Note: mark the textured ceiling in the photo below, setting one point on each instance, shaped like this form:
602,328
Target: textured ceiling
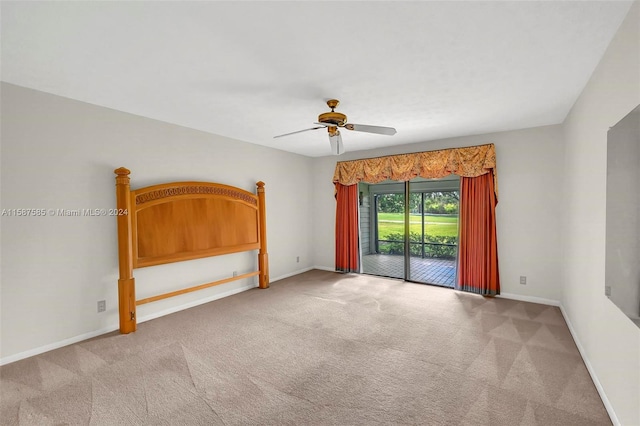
252,70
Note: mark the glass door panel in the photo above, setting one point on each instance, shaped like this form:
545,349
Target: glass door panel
434,237
387,258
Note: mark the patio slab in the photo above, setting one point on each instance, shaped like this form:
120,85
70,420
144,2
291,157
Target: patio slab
440,272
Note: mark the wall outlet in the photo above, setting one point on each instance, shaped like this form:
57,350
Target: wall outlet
102,305
235,273
523,280
297,259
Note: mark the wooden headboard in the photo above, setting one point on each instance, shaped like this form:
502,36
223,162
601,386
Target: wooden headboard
177,221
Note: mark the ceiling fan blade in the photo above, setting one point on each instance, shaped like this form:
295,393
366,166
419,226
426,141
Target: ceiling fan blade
371,129
299,131
335,141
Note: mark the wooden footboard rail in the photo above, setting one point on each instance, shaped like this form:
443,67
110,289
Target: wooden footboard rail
180,221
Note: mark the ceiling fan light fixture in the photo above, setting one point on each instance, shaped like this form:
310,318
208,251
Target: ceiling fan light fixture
335,140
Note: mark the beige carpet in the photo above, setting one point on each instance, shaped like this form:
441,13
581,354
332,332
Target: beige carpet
318,348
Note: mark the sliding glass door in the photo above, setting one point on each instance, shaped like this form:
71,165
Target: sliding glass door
409,230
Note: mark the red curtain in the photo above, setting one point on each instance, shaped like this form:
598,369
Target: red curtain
478,250
347,245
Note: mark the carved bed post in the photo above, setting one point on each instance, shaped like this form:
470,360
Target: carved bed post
263,257
126,283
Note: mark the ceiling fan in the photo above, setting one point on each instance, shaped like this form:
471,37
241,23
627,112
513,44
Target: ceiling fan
332,120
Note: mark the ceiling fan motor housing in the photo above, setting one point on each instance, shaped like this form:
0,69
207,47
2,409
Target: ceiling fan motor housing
333,118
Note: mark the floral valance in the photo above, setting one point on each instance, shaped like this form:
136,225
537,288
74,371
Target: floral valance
471,161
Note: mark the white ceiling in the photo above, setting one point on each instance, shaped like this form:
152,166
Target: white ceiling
252,70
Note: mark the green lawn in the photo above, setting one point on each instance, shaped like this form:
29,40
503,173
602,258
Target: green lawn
389,223
417,218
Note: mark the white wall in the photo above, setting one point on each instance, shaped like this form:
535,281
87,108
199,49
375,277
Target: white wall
60,154
528,212
611,342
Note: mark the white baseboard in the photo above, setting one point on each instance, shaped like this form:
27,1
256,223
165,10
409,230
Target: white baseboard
325,268
532,299
282,277
592,373
56,345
